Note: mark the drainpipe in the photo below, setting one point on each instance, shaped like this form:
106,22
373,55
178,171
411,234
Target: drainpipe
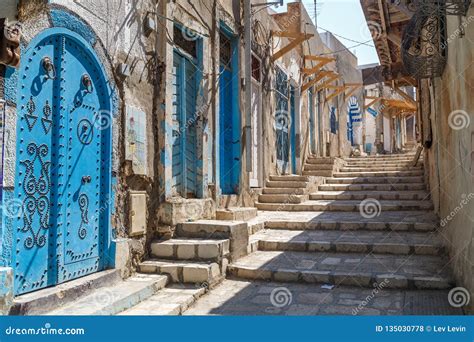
248,85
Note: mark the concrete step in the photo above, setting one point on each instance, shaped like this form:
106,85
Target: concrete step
375,180
405,156
285,184
284,191
415,271
411,221
318,167
378,195
184,271
114,299
379,174
191,249
236,213
339,205
53,298
289,178
318,160
292,198
174,300
236,231
372,187
327,173
379,168
382,242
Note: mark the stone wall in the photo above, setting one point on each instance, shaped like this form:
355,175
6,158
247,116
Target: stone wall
448,113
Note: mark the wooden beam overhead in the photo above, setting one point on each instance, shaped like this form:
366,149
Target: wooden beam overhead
354,89
318,78
405,96
327,82
371,103
298,38
319,58
336,93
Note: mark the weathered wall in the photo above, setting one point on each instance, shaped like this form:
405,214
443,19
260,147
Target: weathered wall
450,160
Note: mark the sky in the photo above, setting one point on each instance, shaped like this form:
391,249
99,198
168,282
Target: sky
344,18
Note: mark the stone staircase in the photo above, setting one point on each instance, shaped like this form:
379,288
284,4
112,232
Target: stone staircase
337,238
321,167
290,189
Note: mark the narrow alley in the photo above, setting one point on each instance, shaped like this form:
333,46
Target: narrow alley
231,157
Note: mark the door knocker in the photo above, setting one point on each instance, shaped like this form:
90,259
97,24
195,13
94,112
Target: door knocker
87,83
48,66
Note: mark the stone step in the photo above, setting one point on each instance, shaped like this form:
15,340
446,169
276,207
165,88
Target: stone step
236,231
340,205
274,198
405,156
415,271
284,191
318,167
323,173
190,249
375,180
318,160
378,195
381,164
289,178
173,300
382,242
380,161
379,174
53,298
380,168
114,299
236,213
372,187
412,221
284,184
184,271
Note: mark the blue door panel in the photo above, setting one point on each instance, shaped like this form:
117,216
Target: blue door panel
63,167
293,129
184,144
229,146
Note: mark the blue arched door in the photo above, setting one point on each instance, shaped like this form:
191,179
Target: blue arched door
63,162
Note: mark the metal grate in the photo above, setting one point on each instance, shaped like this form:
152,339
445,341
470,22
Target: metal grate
440,7
424,49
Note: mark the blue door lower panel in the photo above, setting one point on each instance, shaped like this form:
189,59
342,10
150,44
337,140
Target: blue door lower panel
63,164
184,144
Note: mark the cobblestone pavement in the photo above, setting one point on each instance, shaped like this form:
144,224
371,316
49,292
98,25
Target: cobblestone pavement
235,297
